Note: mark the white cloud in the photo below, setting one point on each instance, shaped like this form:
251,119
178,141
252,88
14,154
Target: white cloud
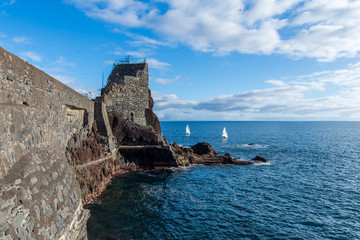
63,62
53,69
140,40
31,55
137,54
3,35
154,63
165,81
166,101
64,79
109,62
276,82
72,82
10,2
321,29
299,98
20,39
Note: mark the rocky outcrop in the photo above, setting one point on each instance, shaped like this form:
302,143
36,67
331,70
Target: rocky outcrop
204,149
85,146
260,159
129,133
151,118
89,153
204,153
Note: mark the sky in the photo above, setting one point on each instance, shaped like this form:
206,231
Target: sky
220,60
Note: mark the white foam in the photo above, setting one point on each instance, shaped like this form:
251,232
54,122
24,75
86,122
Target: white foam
257,146
94,201
262,163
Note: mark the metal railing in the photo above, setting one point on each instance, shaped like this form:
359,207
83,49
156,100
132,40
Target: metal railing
128,60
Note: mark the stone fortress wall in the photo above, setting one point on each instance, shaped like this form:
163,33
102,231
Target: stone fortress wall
127,91
39,195
57,149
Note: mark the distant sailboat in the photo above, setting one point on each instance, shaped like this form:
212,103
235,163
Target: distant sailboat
225,135
188,130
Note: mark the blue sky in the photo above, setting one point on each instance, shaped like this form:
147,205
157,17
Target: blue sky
209,59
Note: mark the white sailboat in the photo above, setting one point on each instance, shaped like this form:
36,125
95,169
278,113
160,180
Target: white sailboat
224,134
188,130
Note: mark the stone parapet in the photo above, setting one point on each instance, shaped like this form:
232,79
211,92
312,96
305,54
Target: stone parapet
40,197
36,110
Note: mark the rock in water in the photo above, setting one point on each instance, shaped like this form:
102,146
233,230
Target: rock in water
260,159
203,148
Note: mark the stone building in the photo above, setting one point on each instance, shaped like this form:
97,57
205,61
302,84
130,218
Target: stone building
127,91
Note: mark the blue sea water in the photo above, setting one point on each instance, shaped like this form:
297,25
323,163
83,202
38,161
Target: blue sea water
310,189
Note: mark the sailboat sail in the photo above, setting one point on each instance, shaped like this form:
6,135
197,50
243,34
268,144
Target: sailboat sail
188,130
224,134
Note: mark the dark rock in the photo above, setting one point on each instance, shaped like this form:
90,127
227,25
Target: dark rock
183,156
151,118
203,148
203,153
84,146
151,100
117,124
130,133
227,159
260,159
149,158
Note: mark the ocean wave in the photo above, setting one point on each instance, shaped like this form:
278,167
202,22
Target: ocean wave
184,146
95,201
262,163
253,145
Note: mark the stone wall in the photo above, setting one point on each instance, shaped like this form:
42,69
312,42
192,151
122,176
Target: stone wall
127,91
36,110
41,199
57,148
39,195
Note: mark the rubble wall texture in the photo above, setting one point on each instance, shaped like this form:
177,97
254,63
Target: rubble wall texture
127,91
40,197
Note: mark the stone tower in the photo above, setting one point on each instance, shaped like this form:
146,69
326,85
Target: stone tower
127,91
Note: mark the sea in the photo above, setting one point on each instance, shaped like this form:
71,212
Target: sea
309,190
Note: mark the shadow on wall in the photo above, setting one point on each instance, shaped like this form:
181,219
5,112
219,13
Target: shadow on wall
75,113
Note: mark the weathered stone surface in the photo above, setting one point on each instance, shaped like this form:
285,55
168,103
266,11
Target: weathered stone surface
85,146
31,104
33,180
129,133
127,91
37,211
18,219
30,220
151,118
22,233
47,210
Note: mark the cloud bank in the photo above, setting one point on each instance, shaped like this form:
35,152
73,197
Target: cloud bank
329,95
321,29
